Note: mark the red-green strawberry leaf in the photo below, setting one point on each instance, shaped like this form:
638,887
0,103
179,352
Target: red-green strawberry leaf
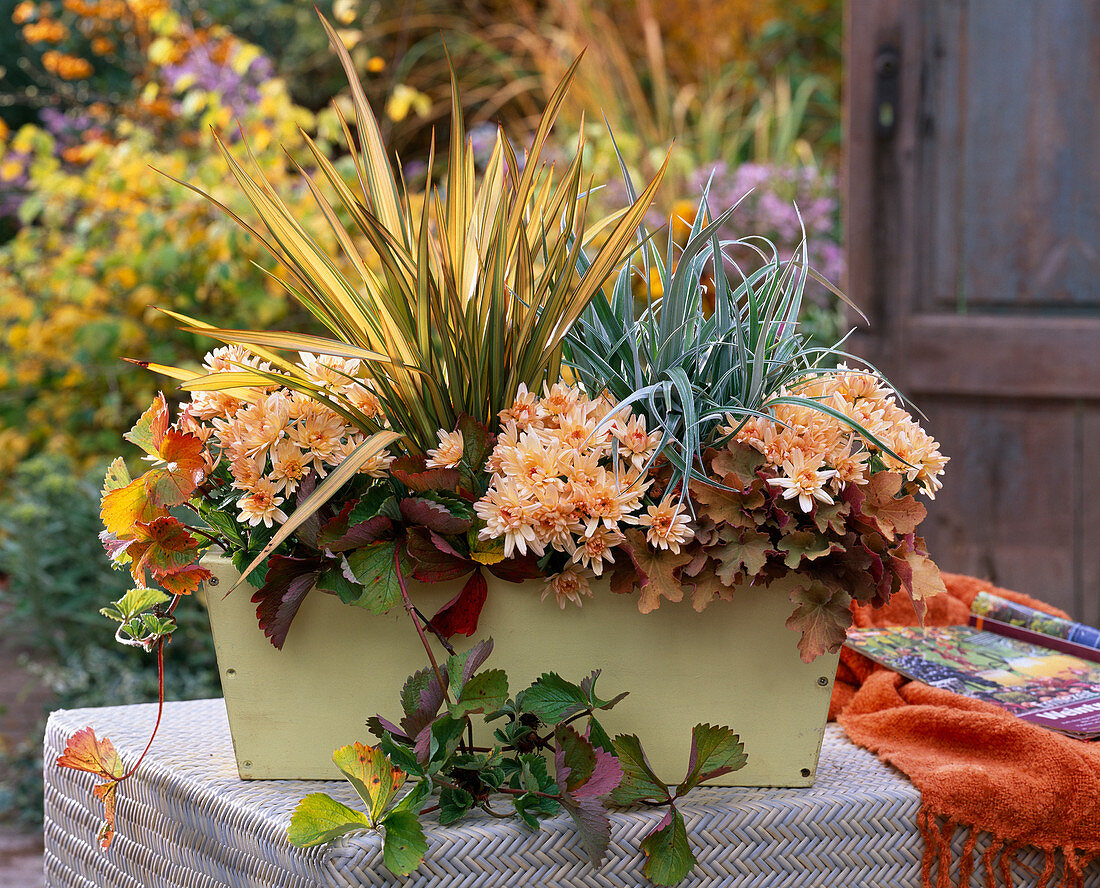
459,616
669,859
285,587
715,751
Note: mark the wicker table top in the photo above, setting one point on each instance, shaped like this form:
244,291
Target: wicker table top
187,821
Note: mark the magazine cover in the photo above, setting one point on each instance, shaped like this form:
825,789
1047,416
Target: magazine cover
1027,624
1042,686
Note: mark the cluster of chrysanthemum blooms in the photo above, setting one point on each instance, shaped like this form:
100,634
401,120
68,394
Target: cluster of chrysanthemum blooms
815,454
275,439
569,473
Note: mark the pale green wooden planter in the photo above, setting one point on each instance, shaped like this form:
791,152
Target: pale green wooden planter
736,664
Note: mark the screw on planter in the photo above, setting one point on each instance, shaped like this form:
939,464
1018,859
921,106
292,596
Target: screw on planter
805,771
823,681
213,581
247,765
230,673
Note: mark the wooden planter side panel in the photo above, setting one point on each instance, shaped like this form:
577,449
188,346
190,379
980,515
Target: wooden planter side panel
736,664
973,227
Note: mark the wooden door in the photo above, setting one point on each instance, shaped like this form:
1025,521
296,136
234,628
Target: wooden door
973,224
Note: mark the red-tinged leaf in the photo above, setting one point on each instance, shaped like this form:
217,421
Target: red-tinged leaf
918,573
459,616
624,579
877,502
148,432
344,533
745,550
706,587
737,466
112,545
83,752
286,585
432,515
715,751
803,545
124,507
657,572
436,561
183,581
721,506
586,775
669,858
163,545
412,471
108,794
184,469
822,616
518,569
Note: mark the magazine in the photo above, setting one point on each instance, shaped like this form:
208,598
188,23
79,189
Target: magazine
1034,681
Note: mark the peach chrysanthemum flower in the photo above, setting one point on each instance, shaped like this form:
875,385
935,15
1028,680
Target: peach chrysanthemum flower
595,547
533,463
449,452
328,370
261,424
559,398
668,526
555,519
525,409
508,514
246,471
363,399
804,480
288,466
635,445
320,432
569,585
261,504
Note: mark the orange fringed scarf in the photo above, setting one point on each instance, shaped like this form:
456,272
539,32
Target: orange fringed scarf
977,767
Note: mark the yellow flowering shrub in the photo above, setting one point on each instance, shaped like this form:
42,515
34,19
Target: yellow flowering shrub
106,238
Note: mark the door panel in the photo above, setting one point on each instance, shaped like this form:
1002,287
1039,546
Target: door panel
973,220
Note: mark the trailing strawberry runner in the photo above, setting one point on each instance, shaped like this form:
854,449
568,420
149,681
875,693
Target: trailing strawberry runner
494,398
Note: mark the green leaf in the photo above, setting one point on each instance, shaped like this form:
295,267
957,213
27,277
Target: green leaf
446,732
553,699
803,545
485,692
588,686
639,783
453,804
715,751
133,603
462,666
374,567
402,756
404,845
319,818
414,799
668,855
333,580
221,521
599,737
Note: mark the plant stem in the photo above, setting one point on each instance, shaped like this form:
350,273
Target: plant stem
507,790
411,611
447,646
160,706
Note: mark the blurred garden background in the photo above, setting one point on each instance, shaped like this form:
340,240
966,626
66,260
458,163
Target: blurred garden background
101,101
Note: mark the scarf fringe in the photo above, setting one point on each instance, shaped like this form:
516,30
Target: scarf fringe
997,860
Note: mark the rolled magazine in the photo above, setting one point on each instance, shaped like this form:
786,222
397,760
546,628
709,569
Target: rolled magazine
1043,669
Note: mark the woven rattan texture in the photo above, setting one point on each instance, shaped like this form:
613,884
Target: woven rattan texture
187,821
